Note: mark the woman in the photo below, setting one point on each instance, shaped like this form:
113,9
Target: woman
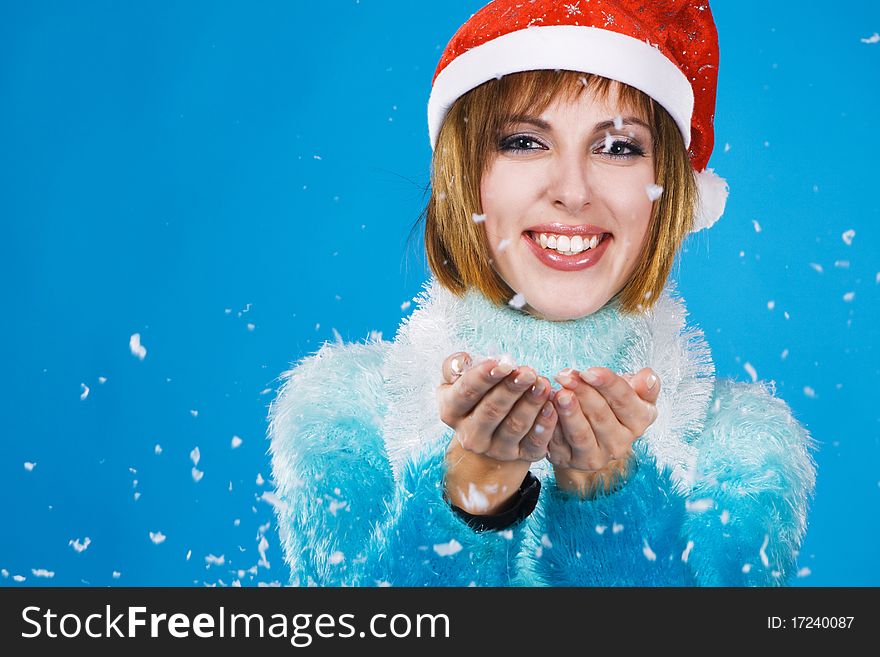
570,145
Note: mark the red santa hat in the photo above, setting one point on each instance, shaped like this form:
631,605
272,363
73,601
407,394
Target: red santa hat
667,49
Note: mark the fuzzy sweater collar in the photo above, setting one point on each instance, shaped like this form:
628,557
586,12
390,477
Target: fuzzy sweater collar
444,323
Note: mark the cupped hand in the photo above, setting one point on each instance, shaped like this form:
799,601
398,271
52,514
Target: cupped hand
503,421
601,415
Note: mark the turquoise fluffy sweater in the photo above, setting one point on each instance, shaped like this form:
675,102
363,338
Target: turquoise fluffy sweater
719,495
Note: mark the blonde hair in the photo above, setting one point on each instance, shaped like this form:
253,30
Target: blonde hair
457,248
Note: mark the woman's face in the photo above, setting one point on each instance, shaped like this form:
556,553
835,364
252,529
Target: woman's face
578,174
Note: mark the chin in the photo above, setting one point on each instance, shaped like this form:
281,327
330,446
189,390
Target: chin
561,312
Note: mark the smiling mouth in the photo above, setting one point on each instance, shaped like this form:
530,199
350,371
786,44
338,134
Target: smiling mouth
565,245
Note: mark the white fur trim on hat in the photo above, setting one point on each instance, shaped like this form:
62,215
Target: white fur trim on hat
570,47
712,192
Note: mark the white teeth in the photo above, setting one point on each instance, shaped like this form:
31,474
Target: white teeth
566,245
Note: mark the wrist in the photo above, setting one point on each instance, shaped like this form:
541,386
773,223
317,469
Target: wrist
588,485
481,485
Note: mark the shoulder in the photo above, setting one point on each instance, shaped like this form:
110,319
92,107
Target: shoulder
751,434
338,380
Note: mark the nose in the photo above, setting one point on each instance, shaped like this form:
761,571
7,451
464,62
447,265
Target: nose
570,183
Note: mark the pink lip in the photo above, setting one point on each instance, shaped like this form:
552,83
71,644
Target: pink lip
571,231
556,260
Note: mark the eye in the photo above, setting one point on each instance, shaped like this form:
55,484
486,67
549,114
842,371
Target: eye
619,149
520,143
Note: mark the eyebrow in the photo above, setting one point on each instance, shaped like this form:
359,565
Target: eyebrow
604,125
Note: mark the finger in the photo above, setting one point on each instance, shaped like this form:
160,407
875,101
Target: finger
460,398
646,383
558,451
455,365
629,409
579,434
534,445
493,412
526,408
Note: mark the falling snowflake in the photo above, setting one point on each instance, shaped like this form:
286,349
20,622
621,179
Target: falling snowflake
336,558
725,517
849,296
804,572
157,449
29,466
478,218
763,551
85,391
157,537
687,551
137,349
817,267
618,122
405,305
654,191
574,9
42,572
848,236
236,442
699,506
874,38
771,304
102,380
197,475
211,560
616,528
518,301
756,225
195,455
80,547
545,541
116,574
748,367
447,549
648,552
809,392
503,244
600,529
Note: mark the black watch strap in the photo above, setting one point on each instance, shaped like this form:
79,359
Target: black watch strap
525,502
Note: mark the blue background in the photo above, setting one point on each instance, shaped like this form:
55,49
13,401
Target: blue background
236,183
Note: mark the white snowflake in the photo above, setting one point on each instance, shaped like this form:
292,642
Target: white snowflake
447,549
236,442
748,367
478,218
137,349
874,38
518,301
574,9
848,236
158,537
654,191
80,547
85,391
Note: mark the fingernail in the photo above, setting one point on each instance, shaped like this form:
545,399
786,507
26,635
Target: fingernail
527,377
538,388
547,411
566,378
501,370
455,366
652,381
565,400
591,376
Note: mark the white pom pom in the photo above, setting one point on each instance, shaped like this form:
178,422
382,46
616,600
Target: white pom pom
712,196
